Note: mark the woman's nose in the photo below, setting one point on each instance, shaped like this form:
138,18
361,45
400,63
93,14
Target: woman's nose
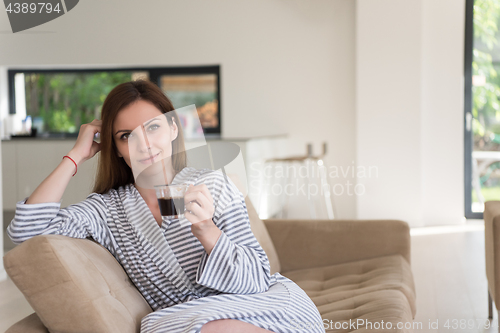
141,143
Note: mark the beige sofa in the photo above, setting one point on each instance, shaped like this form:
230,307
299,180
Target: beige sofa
492,250
357,273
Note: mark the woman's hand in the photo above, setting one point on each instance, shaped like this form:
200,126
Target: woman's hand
199,204
200,211
85,147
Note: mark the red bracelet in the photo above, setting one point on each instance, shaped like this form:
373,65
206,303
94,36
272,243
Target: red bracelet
76,167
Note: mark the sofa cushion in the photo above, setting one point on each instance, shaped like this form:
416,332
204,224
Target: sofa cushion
385,311
74,283
375,288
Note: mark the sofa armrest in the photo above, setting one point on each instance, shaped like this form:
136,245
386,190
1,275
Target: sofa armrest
492,247
75,285
303,244
30,324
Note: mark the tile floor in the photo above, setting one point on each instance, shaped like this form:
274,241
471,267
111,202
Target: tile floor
450,279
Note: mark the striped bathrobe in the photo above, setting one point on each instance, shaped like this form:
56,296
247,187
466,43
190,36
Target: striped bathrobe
184,286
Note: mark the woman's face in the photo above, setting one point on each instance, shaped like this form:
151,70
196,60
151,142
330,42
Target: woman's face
143,136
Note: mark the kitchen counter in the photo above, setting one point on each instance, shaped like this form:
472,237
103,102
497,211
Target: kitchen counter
26,162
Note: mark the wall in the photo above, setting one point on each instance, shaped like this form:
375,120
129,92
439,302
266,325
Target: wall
443,111
409,111
380,81
286,66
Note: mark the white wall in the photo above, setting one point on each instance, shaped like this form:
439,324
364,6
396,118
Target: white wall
443,111
286,66
409,109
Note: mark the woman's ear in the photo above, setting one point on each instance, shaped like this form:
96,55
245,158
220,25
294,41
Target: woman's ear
174,130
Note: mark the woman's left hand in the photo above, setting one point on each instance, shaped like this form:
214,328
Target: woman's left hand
200,211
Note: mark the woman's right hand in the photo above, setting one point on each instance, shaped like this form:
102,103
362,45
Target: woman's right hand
85,147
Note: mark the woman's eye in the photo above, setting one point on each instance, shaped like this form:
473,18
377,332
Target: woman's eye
126,136
153,127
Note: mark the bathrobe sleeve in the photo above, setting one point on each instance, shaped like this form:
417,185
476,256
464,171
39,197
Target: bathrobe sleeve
237,263
84,219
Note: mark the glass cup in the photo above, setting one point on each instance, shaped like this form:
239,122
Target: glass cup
171,199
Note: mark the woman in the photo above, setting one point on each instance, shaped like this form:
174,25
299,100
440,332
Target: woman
209,274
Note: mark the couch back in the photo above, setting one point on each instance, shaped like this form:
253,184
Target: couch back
259,229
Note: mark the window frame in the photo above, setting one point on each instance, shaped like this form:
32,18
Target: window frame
468,100
154,76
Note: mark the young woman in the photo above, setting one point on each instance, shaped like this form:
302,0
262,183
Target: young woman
207,275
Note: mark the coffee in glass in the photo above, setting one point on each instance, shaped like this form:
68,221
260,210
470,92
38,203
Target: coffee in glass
171,199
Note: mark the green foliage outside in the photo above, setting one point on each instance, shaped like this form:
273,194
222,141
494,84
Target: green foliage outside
489,194
67,100
486,97
486,106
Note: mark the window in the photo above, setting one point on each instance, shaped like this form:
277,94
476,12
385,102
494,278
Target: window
482,105
59,101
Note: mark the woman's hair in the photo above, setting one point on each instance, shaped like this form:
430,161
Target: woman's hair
113,171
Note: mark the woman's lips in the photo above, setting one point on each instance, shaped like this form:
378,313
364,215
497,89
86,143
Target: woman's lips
149,160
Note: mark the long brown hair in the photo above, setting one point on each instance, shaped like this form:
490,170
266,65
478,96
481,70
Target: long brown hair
113,171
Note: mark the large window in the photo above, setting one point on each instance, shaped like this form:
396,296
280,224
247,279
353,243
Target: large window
59,101
482,105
